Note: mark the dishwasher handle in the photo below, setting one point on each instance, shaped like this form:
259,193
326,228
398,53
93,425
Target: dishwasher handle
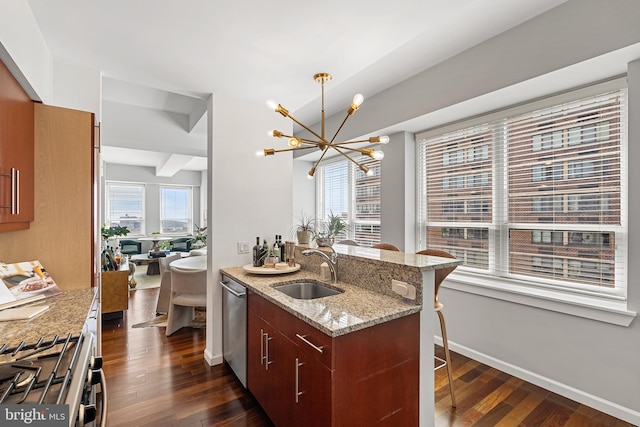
233,291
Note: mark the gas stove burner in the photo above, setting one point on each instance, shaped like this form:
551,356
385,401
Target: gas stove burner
9,370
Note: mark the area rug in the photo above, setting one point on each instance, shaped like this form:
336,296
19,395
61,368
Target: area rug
199,322
144,281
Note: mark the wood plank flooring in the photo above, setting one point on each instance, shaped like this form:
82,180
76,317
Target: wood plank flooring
155,380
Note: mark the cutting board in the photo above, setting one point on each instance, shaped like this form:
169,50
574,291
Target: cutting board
22,313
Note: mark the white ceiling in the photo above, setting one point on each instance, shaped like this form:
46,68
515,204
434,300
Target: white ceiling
168,56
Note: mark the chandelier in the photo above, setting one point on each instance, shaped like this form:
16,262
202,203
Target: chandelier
321,142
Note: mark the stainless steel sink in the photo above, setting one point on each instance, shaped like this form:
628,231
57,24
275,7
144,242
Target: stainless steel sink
307,290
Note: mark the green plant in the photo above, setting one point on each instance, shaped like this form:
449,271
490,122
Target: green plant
114,231
199,234
331,228
304,223
165,245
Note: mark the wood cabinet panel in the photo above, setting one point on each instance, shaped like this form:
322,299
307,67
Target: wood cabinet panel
63,231
16,154
367,377
115,291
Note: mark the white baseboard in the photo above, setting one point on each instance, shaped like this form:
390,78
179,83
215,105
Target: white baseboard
211,359
602,405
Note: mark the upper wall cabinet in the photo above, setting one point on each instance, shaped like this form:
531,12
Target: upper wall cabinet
16,154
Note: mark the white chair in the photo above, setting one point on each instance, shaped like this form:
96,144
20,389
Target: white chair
162,306
198,252
188,290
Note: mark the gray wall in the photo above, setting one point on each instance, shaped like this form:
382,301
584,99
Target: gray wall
579,42
146,175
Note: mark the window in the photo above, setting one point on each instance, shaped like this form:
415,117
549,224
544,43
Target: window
542,200
175,210
342,188
125,206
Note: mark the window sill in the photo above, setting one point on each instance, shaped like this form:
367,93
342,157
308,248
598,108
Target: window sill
600,309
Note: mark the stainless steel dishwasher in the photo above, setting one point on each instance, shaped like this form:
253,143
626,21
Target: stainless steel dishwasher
234,327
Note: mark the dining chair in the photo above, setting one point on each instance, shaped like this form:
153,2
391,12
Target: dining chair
162,306
188,290
182,244
386,246
440,275
130,247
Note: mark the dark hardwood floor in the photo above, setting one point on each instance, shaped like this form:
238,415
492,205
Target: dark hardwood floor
155,380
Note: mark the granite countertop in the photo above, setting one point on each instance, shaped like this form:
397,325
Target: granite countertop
67,314
355,309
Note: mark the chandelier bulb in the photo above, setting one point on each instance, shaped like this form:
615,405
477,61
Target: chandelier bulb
384,139
273,105
357,99
369,172
378,155
293,142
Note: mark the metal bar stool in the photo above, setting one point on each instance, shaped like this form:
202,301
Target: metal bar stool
440,275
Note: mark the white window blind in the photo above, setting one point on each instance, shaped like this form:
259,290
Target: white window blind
125,206
344,190
532,194
175,210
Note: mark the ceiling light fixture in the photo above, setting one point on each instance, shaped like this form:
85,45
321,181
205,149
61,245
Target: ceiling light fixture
322,143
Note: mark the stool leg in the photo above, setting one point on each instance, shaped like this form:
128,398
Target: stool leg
446,356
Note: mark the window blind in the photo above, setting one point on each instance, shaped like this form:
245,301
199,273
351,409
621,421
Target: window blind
175,210
533,193
125,206
344,190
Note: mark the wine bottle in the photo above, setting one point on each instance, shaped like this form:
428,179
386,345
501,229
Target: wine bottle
257,249
276,248
264,252
282,249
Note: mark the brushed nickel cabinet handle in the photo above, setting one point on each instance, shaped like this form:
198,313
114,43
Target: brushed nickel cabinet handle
315,347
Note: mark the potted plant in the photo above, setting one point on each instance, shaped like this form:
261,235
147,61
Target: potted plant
304,228
199,239
112,233
329,230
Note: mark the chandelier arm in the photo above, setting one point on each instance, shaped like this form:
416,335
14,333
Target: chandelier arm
307,129
345,155
354,142
315,165
293,149
340,128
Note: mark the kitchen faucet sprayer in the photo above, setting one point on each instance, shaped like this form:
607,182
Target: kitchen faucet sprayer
333,260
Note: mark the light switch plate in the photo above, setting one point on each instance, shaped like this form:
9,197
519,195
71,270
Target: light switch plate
243,247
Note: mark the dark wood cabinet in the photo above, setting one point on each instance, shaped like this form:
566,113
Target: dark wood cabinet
16,154
301,376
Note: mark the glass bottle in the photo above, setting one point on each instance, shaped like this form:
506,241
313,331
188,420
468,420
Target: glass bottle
257,250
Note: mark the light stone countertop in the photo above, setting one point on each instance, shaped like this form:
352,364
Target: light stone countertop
354,309
67,314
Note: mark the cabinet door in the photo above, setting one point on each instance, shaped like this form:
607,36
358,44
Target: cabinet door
16,154
313,389
270,370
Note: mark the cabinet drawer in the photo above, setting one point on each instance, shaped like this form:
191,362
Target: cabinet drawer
309,339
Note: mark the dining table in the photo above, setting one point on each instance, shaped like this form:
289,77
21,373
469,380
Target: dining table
155,241
193,263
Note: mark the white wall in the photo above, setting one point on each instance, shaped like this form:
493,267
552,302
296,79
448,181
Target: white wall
249,195
586,360
397,192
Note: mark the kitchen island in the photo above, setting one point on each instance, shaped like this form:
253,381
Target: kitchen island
363,355
67,314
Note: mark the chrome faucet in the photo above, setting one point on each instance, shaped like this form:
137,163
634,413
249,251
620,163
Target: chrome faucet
333,261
